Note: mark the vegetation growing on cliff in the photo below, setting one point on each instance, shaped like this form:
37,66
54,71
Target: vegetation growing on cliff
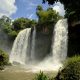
4,59
47,18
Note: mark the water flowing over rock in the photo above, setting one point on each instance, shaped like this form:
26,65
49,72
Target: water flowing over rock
60,41
20,47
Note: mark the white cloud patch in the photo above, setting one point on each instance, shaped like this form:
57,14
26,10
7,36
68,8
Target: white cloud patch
7,7
59,8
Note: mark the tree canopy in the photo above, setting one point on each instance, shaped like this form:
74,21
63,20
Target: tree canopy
47,18
72,7
12,28
4,58
46,21
22,23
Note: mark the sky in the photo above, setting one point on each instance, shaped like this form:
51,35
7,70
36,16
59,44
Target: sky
26,8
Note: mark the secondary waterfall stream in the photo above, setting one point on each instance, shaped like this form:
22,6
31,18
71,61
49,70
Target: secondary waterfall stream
33,44
58,50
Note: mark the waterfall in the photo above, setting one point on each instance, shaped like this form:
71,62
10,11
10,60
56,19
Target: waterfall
60,39
22,53
59,48
20,47
33,44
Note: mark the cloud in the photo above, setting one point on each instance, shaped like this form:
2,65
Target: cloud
7,7
59,8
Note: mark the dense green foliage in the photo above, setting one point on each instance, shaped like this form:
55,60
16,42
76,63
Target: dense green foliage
19,24
4,59
41,76
71,70
22,23
5,23
6,26
47,18
13,28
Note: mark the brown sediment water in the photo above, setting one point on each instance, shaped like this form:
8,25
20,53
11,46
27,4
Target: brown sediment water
18,73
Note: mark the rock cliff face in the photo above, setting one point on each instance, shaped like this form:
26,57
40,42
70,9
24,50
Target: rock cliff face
43,45
74,40
43,41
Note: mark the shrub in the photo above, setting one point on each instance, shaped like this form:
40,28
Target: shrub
4,58
42,76
71,70
12,35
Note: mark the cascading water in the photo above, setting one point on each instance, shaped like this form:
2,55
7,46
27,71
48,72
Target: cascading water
59,46
20,47
33,45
